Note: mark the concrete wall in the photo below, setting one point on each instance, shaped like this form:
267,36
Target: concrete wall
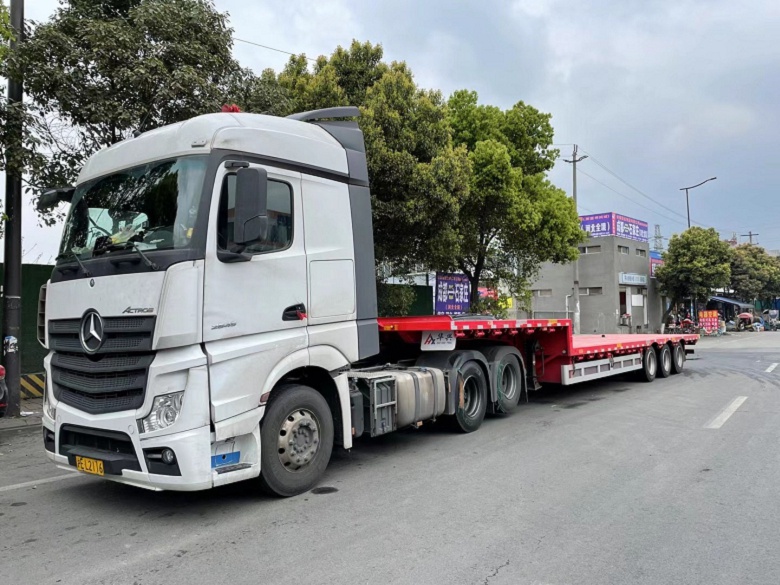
600,313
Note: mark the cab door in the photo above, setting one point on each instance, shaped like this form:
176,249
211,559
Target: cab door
254,312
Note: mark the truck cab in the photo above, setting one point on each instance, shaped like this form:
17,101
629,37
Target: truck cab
206,270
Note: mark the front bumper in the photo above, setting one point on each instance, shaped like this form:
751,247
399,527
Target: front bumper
114,439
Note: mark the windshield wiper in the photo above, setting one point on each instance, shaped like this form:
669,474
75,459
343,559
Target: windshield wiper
126,246
150,263
66,255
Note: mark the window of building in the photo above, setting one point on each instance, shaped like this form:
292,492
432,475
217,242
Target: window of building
279,230
543,292
590,249
623,249
641,252
591,290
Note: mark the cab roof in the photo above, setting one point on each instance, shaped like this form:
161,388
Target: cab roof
285,139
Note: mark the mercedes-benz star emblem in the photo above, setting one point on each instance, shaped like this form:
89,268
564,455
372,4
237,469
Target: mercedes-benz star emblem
91,332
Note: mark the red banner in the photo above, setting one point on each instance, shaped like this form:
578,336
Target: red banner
708,320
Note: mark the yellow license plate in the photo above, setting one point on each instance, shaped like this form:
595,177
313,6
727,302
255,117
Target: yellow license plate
87,465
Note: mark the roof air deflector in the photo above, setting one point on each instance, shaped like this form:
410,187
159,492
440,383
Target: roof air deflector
325,113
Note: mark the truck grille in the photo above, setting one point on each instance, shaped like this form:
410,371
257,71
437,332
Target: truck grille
112,379
41,324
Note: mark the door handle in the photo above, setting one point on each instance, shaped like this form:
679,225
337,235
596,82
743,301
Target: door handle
295,313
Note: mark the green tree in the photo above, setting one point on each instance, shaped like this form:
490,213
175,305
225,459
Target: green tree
696,263
755,275
512,219
418,180
99,69
258,94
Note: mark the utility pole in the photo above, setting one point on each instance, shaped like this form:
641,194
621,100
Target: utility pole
750,235
576,292
658,239
12,276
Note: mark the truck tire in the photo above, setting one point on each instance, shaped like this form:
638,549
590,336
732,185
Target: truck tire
678,358
296,441
507,373
649,365
469,417
664,361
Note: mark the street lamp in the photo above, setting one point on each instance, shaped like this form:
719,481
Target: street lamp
688,207
687,204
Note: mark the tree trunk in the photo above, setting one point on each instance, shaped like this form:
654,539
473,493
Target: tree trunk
474,280
668,311
474,293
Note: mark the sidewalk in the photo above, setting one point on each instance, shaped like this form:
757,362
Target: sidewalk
32,411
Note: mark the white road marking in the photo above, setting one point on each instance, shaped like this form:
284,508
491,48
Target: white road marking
19,486
719,420
770,368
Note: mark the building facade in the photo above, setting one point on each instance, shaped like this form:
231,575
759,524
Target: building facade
617,291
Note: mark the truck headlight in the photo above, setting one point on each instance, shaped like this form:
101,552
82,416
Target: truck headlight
48,407
165,411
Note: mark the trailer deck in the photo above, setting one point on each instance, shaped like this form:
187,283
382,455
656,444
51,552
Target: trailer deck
585,345
560,356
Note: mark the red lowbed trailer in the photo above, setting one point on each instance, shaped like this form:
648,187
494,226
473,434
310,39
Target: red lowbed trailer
551,353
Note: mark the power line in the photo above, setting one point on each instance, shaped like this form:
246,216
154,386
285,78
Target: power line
274,49
643,194
634,201
622,180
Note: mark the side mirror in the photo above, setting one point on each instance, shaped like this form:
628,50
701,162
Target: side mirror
250,220
50,198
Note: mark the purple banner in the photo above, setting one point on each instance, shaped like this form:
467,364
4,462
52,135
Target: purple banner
614,224
599,224
633,229
452,294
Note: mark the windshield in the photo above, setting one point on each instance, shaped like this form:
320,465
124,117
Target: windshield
148,207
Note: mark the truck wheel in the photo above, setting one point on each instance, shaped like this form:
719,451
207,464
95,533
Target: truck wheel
507,372
469,417
649,365
296,440
678,358
664,361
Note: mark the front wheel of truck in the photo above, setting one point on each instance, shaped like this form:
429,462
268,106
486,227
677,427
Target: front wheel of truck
296,441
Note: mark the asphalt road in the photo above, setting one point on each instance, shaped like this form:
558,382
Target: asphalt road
615,482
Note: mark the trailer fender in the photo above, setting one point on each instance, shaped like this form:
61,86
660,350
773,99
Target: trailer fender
450,363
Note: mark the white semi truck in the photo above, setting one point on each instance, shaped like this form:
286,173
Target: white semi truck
212,315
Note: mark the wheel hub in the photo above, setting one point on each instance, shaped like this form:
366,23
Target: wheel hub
299,440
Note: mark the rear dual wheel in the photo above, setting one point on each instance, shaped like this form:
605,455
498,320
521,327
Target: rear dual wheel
678,358
471,411
664,360
649,365
507,371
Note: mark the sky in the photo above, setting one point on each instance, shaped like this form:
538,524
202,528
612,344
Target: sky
659,94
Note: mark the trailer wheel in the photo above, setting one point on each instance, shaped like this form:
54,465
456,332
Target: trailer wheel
678,358
664,361
650,365
471,413
296,441
507,371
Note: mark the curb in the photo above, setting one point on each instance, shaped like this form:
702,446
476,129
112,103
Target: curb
23,422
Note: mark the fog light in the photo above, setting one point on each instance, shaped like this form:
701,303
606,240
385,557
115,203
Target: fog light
165,411
168,456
